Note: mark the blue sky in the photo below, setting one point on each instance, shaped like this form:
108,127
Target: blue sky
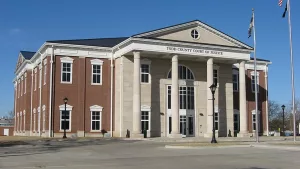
26,25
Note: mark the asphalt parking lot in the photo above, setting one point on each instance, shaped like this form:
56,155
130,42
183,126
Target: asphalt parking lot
110,154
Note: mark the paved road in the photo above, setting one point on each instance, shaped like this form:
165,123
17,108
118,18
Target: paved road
140,154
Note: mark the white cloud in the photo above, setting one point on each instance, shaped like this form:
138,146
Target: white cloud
14,31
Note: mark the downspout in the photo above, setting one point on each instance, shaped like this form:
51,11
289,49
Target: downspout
31,93
111,93
121,93
40,86
50,92
267,99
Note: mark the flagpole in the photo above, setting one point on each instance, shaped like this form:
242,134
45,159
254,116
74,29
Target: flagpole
292,68
255,78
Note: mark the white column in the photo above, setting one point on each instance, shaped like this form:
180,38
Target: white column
243,111
209,106
175,98
136,95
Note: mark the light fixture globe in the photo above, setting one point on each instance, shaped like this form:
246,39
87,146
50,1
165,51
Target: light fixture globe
213,88
65,100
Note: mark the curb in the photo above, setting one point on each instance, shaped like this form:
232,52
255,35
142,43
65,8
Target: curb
206,147
293,148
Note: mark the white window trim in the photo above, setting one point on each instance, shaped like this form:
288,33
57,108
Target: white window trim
24,113
17,125
19,88
35,79
21,85
45,73
68,108
96,62
145,62
96,108
25,79
148,109
170,73
216,67
257,119
217,111
253,74
44,117
34,119
66,60
21,120
236,73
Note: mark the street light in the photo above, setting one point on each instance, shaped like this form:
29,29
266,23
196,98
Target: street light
213,88
65,114
283,107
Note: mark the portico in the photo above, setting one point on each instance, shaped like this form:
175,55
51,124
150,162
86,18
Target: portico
180,103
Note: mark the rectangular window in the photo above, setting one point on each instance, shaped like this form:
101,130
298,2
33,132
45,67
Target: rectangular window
65,120
25,85
145,120
40,78
18,89
216,121
235,82
44,120
253,122
236,122
145,73
253,83
96,121
215,75
34,119
45,74
169,97
96,74
21,87
24,121
35,81
66,72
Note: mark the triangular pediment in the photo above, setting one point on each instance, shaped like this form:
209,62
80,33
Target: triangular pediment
21,59
194,32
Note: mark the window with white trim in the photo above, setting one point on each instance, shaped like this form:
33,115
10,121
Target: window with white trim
96,71
44,117
253,81
40,75
35,80
235,81
17,125
66,69
255,119
96,120
215,76
45,74
216,120
34,119
96,117
145,118
65,117
21,85
25,81
19,88
21,117
24,113
184,73
145,73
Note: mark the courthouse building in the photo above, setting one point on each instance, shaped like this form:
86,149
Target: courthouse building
156,81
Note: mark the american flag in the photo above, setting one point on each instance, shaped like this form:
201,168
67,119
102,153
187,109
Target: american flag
280,2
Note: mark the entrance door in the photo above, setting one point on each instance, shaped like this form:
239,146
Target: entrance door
186,111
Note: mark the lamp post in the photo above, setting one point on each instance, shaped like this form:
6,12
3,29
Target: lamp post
283,107
65,113
213,88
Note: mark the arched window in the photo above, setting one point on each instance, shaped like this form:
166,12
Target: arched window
184,73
